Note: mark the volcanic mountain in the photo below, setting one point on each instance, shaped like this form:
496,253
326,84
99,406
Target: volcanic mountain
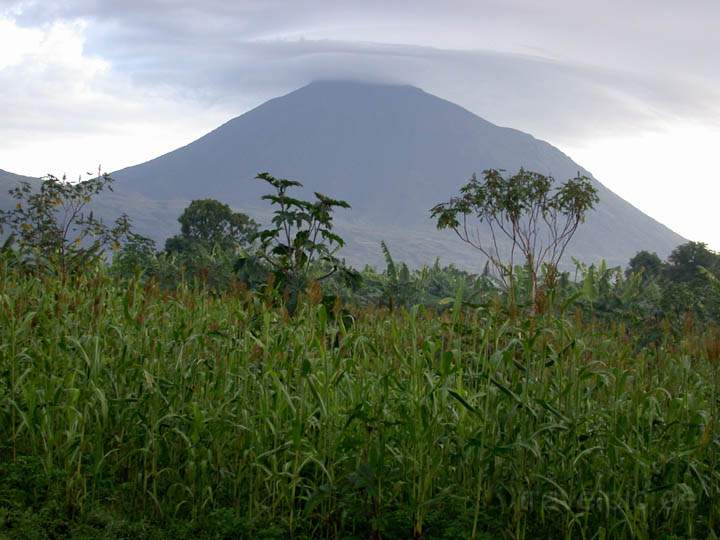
392,152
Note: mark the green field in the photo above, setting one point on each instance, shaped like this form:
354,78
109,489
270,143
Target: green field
127,411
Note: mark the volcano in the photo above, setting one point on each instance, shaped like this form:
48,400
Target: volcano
392,152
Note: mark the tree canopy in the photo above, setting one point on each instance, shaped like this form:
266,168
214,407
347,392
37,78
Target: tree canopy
210,223
528,210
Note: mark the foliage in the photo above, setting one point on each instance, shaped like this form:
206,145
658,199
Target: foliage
685,282
175,403
212,269
300,245
607,293
527,210
137,255
649,265
208,223
54,228
128,412
686,261
161,398
398,285
205,253
399,288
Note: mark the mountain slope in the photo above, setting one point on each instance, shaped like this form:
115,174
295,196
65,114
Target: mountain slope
392,152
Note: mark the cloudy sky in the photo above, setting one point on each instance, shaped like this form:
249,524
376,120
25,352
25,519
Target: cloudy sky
630,90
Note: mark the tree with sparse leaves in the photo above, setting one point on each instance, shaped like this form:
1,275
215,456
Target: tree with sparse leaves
527,211
53,227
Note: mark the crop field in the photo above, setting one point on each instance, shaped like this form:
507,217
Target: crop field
127,411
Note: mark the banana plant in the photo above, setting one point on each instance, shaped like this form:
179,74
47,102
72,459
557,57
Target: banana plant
400,288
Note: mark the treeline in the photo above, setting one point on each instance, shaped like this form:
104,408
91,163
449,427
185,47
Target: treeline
685,285
51,230
217,248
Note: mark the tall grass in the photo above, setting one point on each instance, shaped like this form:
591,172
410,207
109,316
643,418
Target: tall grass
224,414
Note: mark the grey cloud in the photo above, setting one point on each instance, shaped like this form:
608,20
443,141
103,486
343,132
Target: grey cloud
596,69
555,99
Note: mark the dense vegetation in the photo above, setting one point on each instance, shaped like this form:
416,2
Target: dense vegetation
199,392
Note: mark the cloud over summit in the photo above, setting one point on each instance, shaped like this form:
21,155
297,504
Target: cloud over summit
509,61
